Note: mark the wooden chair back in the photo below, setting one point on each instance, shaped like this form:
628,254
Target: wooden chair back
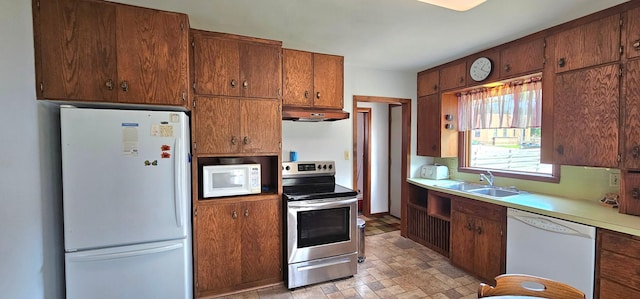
512,284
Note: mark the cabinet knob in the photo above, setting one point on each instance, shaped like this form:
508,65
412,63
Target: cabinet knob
461,80
124,86
233,83
479,230
245,84
448,126
635,152
318,95
434,147
636,45
562,62
233,140
306,94
560,149
635,193
435,87
507,67
234,215
246,140
469,226
246,213
109,84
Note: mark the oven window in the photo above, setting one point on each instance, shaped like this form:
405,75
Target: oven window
323,226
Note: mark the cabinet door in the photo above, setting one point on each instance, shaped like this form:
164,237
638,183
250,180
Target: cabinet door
631,111
260,69
591,44
217,125
216,65
152,56
298,78
75,46
261,241
522,58
633,33
428,83
454,76
463,243
261,122
585,115
217,238
328,81
428,126
488,250
630,193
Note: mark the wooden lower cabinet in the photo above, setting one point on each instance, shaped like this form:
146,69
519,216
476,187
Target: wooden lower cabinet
478,238
618,265
237,245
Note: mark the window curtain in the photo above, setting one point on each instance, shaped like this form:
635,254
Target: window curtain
516,104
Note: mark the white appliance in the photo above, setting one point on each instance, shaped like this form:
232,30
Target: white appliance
552,248
434,172
127,204
229,180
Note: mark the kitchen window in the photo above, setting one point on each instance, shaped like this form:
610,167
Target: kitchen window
500,130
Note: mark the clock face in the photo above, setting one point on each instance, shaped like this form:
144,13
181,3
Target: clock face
480,69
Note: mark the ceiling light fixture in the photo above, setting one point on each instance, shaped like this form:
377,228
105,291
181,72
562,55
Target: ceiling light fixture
459,5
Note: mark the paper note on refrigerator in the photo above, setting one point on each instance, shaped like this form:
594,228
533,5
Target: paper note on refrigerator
130,141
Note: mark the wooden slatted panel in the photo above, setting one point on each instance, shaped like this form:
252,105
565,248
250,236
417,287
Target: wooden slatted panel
427,230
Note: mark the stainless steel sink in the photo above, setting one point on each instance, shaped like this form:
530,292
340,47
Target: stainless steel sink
464,186
495,192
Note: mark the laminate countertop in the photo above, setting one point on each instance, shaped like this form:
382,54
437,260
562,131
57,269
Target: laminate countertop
580,211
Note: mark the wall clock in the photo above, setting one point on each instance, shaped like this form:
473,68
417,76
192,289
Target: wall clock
481,69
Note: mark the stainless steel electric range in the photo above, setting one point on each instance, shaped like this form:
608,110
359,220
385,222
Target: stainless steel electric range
321,224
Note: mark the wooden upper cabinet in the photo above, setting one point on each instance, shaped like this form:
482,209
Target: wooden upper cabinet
631,112
494,56
313,79
586,118
428,83
75,45
106,52
437,135
522,58
231,65
633,33
153,56
225,125
591,44
630,193
454,76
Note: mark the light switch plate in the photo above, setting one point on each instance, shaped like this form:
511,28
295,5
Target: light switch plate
346,155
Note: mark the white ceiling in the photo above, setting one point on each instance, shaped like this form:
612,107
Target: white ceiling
399,35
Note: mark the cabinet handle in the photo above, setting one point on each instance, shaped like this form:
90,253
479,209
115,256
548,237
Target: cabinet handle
434,147
318,95
124,85
635,193
507,67
560,149
109,84
234,215
562,62
461,80
306,94
246,213
435,87
245,84
636,44
233,83
469,226
233,140
479,230
635,152
246,140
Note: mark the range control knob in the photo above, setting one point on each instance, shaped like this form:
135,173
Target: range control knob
330,166
288,168
319,166
324,167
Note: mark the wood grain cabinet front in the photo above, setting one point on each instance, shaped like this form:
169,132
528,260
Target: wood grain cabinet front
453,76
106,52
225,125
522,58
312,79
436,126
618,265
428,83
633,33
631,111
237,246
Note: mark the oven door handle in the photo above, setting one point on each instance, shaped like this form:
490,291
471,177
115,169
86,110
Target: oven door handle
327,204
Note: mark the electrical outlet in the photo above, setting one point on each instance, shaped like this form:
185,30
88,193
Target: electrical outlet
614,179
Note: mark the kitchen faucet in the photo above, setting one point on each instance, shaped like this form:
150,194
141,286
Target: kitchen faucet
489,179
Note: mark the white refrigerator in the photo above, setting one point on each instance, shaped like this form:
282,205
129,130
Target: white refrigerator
126,202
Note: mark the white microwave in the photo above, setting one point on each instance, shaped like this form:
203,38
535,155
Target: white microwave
229,180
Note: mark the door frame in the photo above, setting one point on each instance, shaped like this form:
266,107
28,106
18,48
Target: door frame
406,147
366,168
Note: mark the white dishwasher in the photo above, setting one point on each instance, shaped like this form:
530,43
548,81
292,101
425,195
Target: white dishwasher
552,248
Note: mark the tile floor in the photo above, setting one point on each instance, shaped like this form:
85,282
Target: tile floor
380,224
395,267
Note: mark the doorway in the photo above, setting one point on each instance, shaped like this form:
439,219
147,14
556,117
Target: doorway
399,117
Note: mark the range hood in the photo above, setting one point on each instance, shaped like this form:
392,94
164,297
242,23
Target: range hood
313,114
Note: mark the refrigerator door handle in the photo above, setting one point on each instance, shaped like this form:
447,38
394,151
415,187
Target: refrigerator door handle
124,254
177,180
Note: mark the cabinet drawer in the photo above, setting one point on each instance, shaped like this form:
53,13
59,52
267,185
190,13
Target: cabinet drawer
612,290
485,210
619,243
620,268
